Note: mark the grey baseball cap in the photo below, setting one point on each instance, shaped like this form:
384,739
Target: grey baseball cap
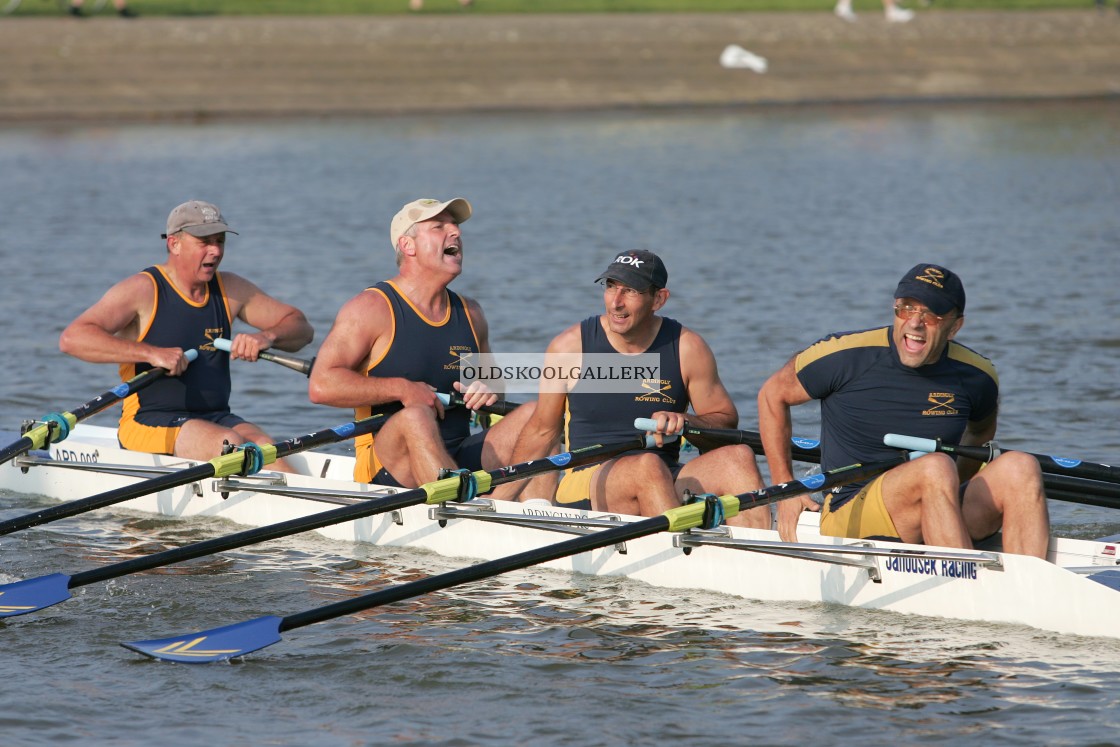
197,218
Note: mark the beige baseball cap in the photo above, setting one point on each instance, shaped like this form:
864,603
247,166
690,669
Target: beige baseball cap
424,209
197,218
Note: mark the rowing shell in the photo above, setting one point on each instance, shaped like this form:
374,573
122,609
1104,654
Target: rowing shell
1078,592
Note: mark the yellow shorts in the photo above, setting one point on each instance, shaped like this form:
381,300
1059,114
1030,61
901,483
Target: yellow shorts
366,463
151,439
156,433
863,517
574,490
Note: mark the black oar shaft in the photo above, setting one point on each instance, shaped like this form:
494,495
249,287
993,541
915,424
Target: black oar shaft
1092,491
126,493
749,438
117,393
15,449
379,505
228,464
677,519
1049,465
800,448
243,638
372,507
38,436
478,572
1084,499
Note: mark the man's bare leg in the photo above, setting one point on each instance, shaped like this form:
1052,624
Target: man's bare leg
726,471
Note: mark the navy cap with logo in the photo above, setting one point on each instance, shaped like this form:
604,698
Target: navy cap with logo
637,269
938,288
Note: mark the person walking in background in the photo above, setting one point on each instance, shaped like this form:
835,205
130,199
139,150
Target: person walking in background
893,13
419,4
121,5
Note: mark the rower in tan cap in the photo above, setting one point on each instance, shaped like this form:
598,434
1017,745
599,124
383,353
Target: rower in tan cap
390,331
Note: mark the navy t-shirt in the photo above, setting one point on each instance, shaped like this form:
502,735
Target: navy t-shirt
865,393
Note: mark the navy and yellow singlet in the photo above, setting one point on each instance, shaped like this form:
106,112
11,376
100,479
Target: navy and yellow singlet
420,350
865,392
606,418
150,418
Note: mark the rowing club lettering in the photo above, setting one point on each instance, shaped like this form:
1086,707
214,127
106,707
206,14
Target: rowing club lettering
963,569
69,455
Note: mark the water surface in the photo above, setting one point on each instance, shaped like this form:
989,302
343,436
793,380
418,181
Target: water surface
777,227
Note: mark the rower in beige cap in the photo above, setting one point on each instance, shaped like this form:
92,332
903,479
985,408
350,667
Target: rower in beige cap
154,317
397,343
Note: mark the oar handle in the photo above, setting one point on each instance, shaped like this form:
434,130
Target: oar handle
1050,465
802,449
287,361
501,407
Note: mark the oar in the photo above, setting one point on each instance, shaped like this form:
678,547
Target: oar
1050,465
1064,479
287,361
1077,494
30,595
803,449
501,407
1082,490
247,459
243,638
56,426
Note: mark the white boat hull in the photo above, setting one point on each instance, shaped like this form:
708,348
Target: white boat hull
912,579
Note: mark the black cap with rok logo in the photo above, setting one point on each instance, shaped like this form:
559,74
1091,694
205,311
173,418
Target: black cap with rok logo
638,269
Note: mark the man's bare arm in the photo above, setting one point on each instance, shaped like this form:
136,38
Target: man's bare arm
279,325
106,332
339,378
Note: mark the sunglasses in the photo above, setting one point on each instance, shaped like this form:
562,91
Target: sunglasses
907,311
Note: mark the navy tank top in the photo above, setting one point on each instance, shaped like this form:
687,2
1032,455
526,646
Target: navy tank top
427,351
179,322
609,417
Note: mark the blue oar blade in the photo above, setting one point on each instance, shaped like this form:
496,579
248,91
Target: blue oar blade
33,594
1110,578
218,644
